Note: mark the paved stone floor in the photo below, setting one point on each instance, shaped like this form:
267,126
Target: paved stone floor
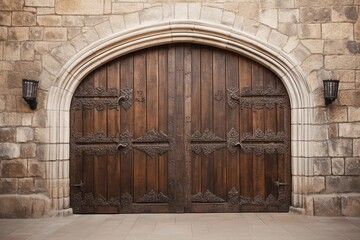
181,227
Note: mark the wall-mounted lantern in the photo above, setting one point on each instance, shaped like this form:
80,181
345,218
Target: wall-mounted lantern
29,88
331,88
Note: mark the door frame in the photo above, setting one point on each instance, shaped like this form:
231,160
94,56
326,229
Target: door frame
56,148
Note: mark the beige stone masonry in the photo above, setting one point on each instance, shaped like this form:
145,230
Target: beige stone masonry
84,7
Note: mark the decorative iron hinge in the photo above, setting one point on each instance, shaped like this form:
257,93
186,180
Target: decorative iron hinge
152,143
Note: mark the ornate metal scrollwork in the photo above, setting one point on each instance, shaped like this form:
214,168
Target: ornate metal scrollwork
88,199
233,196
206,142
206,197
270,200
98,104
125,98
153,197
232,141
152,143
87,91
98,137
258,98
98,150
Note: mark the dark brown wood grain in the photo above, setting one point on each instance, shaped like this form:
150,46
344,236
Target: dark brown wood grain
179,90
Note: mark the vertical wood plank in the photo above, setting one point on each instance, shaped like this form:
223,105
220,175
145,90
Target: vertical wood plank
195,117
258,123
232,81
246,119
163,116
140,100
152,111
126,124
207,164
219,90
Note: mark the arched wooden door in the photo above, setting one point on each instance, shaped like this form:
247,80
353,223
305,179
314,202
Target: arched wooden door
180,128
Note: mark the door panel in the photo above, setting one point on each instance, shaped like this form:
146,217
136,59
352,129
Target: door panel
177,128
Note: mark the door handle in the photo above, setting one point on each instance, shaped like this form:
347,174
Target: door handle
278,183
238,144
80,185
122,98
121,145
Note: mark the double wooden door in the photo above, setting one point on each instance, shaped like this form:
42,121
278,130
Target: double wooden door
180,128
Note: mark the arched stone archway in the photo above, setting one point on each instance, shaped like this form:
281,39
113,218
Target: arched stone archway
104,50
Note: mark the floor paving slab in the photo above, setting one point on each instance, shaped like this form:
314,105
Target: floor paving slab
237,226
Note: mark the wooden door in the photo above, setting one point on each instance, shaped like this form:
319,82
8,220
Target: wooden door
180,128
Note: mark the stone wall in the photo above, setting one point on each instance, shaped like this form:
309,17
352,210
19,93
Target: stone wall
39,37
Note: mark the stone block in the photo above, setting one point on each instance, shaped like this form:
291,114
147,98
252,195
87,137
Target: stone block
51,64
309,31
263,32
300,53
338,114
103,29
322,166
7,135
345,14
249,10
349,97
350,205
337,31
352,166
23,19
95,20
39,3
49,20
340,147
317,184
71,21
210,14
289,15
24,206
28,150
26,186
337,166
342,62
327,205
276,3
289,29
195,10
55,34
278,39
318,149
36,168
125,8
356,144
312,63
228,18
335,47
315,15
9,150
11,4
3,33
64,52
132,19
12,51
14,168
269,17
8,185
117,23
354,114
73,32
18,33
151,14
81,7
5,18
36,33
45,10
314,46
79,42
349,130
24,134
309,205
27,51
343,184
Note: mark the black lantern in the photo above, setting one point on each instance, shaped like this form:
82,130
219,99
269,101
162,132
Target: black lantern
330,90
29,88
